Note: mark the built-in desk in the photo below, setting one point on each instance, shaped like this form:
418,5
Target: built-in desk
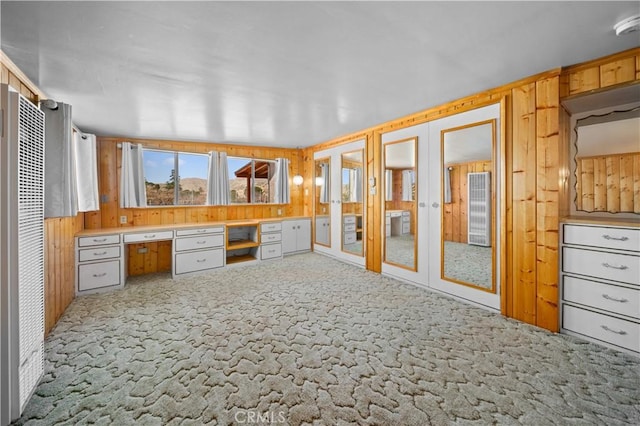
397,222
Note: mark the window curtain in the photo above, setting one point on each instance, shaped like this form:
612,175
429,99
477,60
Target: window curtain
218,179
325,189
281,176
407,181
84,145
388,185
133,192
447,185
61,193
355,191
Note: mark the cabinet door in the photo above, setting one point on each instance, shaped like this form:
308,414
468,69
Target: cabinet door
303,240
289,236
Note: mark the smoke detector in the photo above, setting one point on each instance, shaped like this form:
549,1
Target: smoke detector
627,25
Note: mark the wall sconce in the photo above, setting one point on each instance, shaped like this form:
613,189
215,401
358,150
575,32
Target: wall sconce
319,181
297,180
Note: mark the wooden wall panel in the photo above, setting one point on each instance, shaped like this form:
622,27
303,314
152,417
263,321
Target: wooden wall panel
607,183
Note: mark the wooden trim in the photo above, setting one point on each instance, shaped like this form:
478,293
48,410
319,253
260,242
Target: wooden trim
602,60
506,230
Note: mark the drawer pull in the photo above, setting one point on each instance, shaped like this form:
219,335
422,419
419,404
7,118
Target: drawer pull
201,260
609,237
620,332
102,253
201,242
150,236
99,275
606,296
99,240
621,267
201,231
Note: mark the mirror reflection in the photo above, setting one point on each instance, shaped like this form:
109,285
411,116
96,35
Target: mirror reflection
322,202
468,205
607,147
352,202
400,186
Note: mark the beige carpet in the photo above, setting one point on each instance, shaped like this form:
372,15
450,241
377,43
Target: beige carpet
309,340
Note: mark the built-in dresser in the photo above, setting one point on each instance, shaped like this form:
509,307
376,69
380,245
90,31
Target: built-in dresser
600,282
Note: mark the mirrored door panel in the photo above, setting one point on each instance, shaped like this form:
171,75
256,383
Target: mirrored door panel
322,201
468,205
352,196
400,189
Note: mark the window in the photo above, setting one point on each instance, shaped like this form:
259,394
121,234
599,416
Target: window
175,178
251,180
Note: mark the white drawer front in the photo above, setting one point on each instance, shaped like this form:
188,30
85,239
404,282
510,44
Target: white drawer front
406,219
601,236
271,227
98,240
199,261
387,220
610,266
406,228
622,300
200,231
349,219
271,238
204,241
602,327
98,275
98,253
396,214
148,236
350,227
350,238
270,251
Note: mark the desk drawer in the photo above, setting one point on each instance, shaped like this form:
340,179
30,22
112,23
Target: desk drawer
200,231
349,219
609,266
144,237
199,261
406,228
350,238
602,327
350,227
270,238
98,240
271,227
98,253
204,241
613,298
98,275
602,236
270,251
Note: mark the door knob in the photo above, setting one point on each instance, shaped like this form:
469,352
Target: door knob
435,205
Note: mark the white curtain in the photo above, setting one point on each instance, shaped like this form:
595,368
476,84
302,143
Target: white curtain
84,145
281,177
218,179
325,189
407,184
355,190
133,192
61,193
388,185
447,185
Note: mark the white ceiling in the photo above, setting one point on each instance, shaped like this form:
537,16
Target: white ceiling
289,73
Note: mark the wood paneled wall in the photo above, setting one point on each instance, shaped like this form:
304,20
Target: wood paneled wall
608,183
157,257
455,223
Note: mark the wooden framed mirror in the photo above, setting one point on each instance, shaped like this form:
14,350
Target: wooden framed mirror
322,201
352,195
468,172
399,189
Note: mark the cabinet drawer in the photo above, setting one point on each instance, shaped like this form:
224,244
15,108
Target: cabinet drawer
350,227
200,231
610,266
270,251
406,215
271,227
148,236
350,238
612,330
621,300
204,241
199,261
406,228
406,219
395,214
98,275
98,253
98,240
349,219
602,236
270,238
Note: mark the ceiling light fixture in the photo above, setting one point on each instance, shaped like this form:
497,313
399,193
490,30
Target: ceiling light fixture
627,25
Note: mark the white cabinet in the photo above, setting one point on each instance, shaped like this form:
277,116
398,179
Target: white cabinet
196,250
323,227
600,284
296,235
99,263
270,240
